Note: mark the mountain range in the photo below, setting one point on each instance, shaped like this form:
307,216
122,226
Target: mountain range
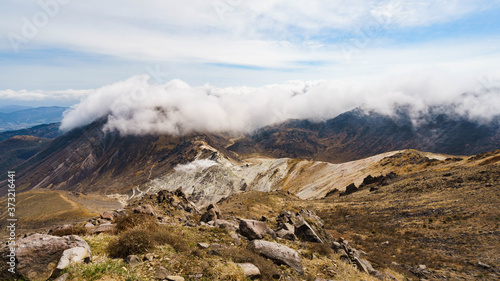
409,194
19,117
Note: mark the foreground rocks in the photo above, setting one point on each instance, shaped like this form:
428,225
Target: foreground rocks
40,256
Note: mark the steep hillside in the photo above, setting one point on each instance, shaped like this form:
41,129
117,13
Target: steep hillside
18,149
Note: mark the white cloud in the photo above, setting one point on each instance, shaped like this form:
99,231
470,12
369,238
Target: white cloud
137,107
39,95
199,164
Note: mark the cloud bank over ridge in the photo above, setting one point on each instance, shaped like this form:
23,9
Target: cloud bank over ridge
136,106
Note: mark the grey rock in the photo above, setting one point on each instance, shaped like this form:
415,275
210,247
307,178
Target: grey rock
63,277
483,265
148,257
145,209
39,254
305,232
280,254
107,216
203,245
175,278
89,225
132,260
105,228
249,269
285,234
162,273
226,225
253,229
72,256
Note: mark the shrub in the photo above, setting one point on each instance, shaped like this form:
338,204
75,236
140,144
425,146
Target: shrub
124,223
132,242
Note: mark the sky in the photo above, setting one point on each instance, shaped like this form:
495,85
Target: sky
60,52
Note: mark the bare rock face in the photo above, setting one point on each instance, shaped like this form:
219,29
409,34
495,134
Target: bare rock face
253,229
38,255
280,254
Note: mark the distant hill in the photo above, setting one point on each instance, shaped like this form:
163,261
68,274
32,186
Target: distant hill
48,131
30,117
13,108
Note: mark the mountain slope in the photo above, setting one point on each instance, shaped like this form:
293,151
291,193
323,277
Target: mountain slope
18,149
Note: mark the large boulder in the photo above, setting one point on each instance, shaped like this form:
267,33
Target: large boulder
38,255
278,253
253,229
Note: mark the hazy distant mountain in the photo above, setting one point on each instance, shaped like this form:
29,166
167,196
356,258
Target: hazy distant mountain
13,108
30,117
48,131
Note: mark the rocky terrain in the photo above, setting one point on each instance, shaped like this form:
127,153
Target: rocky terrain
422,216
292,202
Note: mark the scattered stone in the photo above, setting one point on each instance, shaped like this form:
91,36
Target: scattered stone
253,229
105,228
250,270
60,227
162,273
236,239
203,245
73,256
483,265
226,225
63,277
175,278
148,257
145,209
385,243
216,249
89,225
132,260
107,216
280,254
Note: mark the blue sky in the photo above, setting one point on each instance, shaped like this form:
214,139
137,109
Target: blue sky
59,50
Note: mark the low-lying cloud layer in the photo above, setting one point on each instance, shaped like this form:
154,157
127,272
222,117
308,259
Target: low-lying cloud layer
136,106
